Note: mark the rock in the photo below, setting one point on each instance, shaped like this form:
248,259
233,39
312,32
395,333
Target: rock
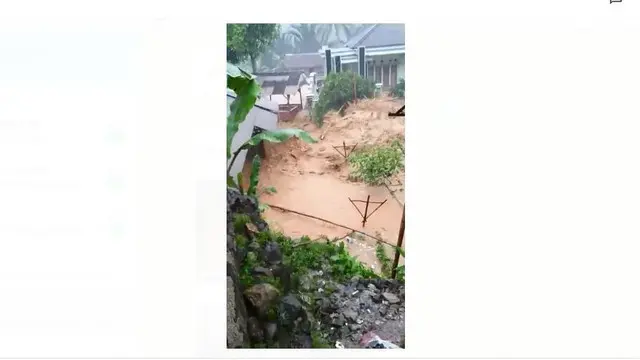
289,310
376,297
350,315
261,297
270,331
325,305
272,253
301,341
355,327
255,331
372,287
259,270
338,320
237,334
382,310
391,298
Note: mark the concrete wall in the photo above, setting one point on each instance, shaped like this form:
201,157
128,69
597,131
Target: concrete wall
256,117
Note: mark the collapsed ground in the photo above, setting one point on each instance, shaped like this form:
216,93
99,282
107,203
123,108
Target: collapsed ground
315,179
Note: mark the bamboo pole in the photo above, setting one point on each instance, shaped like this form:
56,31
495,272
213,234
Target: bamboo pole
396,259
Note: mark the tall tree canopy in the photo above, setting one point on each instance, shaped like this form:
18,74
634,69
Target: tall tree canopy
249,41
307,37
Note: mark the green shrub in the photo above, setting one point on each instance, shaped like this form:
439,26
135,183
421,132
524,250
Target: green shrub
338,91
398,90
376,164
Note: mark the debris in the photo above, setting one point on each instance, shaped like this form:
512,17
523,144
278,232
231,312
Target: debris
372,341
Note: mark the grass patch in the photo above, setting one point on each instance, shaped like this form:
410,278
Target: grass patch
239,222
241,241
318,341
246,276
398,90
385,261
374,165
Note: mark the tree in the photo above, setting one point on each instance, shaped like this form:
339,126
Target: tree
249,41
342,32
274,56
306,38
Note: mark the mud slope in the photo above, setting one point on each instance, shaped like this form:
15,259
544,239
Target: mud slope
314,178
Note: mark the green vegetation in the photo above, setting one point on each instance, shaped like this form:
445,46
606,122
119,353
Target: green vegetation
398,90
338,90
305,255
318,341
255,175
385,261
375,164
239,222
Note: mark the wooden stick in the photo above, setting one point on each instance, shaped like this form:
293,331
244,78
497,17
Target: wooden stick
366,208
374,210
355,206
353,148
370,202
396,259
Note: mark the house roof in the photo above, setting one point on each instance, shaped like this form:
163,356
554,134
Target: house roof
304,60
279,82
378,35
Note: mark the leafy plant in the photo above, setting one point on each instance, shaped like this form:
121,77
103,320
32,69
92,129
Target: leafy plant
255,175
400,272
318,341
398,90
385,261
239,222
374,165
338,90
247,90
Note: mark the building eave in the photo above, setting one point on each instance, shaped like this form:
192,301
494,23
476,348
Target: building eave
349,56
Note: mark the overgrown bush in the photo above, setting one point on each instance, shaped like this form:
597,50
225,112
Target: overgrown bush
374,165
337,91
398,90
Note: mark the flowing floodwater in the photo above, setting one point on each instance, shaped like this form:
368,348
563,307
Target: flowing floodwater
314,179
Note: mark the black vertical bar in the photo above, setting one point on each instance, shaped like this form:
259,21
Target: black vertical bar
396,259
338,64
361,61
327,61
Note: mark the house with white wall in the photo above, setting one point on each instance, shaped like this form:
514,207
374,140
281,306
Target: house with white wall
263,116
377,52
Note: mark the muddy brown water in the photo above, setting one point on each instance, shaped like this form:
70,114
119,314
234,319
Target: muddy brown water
314,179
